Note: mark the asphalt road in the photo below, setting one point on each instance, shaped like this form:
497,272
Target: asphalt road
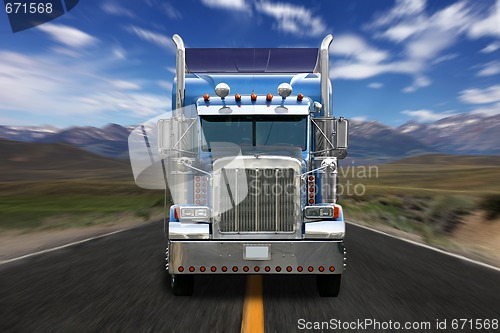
117,284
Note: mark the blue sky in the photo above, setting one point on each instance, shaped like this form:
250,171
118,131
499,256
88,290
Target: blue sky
111,61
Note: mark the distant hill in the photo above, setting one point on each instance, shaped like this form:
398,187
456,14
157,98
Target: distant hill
34,161
443,159
370,142
463,134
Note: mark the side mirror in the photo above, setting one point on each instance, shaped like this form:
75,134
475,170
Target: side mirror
341,137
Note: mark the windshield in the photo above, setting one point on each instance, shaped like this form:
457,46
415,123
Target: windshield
255,130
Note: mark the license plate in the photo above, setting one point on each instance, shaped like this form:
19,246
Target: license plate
257,252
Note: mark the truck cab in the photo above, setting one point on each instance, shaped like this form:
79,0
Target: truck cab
250,156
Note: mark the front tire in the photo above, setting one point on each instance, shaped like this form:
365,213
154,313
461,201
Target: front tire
182,285
329,284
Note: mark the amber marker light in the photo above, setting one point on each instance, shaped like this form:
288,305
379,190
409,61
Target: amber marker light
321,268
336,212
224,268
180,269
245,269
269,97
310,269
191,269
299,268
257,268
253,97
237,97
300,97
332,268
202,269
206,97
289,268
235,269
213,269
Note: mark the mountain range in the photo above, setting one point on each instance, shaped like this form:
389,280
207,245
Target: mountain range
369,141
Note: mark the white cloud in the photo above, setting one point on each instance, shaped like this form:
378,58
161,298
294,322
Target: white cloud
427,115
171,12
486,25
226,4
167,85
125,85
481,96
359,118
67,35
152,37
444,58
114,9
488,111
489,69
375,85
492,47
420,82
45,85
354,46
293,19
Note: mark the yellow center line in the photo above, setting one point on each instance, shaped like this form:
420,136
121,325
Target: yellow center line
253,308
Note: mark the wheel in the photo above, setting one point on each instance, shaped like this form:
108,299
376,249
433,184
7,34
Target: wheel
328,284
182,285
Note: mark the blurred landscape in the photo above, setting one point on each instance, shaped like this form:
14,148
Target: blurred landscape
436,183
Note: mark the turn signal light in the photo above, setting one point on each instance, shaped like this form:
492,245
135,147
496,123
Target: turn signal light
336,212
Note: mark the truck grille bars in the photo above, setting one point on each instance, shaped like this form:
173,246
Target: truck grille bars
257,197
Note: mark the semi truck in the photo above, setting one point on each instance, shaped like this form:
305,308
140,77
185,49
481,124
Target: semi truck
250,155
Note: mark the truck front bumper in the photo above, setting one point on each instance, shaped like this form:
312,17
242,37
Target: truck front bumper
256,257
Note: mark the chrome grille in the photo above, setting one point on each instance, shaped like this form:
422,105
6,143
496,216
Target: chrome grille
269,205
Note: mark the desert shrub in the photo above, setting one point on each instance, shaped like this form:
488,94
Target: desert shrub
445,213
491,205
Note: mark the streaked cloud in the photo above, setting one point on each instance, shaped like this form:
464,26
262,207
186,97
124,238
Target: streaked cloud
375,85
114,9
156,38
489,69
419,82
42,85
492,47
67,35
293,19
226,4
427,115
481,95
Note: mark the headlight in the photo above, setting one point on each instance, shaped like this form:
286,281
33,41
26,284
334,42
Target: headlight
320,212
201,212
187,212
